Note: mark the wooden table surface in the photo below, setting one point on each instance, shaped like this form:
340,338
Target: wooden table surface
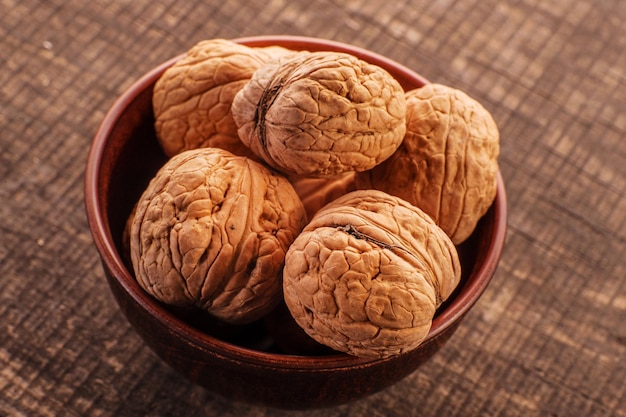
548,338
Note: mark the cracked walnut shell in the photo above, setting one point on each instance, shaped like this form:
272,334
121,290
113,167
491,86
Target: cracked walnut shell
321,114
447,164
211,231
368,273
192,98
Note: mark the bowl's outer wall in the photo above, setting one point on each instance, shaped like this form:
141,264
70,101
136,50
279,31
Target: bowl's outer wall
261,384
124,157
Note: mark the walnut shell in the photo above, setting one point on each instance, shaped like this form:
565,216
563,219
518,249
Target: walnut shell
315,193
367,274
211,231
321,114
447,164
192,98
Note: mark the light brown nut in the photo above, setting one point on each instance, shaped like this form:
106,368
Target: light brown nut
192,98
367,274
321,114
448,162
211,231
315,193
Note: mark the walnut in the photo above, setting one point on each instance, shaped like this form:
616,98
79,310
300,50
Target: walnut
211,231
192,98
321,114
447,164
368,273
317,192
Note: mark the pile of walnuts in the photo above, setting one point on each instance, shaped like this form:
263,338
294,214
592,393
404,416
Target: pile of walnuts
311,178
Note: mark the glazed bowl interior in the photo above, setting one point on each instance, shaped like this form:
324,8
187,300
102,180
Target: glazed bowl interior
125,156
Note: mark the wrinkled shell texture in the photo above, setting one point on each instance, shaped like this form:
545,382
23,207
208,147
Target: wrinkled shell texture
192,98
367,274
321,114
211,231
447,164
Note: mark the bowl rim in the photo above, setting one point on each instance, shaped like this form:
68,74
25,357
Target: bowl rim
104,242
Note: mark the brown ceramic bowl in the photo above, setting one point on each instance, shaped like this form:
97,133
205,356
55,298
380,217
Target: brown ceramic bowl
245,363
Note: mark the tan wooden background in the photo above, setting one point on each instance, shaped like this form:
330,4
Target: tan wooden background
548,338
